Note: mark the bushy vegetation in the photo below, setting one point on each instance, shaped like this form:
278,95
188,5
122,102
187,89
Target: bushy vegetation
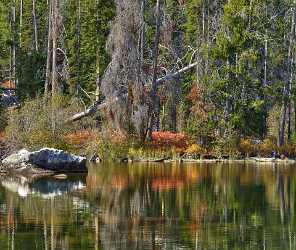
39,123
3,119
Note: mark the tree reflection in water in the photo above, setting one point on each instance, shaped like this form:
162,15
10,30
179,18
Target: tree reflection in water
152,207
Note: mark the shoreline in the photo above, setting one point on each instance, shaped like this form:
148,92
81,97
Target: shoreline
256,160
6,150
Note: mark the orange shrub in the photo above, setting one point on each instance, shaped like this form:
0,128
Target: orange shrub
80,137
169,139
119,137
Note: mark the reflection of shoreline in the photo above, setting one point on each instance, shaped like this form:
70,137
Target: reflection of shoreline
44,187
172,207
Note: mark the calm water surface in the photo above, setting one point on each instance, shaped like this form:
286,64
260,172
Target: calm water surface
152,207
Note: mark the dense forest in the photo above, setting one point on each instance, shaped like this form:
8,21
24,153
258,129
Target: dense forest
219,72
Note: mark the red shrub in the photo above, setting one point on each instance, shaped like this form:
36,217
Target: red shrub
169,139
80,137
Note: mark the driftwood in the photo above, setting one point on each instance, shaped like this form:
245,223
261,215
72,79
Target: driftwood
101,105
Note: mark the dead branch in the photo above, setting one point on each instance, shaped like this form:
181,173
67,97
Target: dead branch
93,109
174,75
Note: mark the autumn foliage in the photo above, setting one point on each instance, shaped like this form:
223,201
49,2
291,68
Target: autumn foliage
80,137
2,136
169,139
199,107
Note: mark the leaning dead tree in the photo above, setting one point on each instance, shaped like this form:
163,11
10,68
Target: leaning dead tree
125,74
116,98
129,93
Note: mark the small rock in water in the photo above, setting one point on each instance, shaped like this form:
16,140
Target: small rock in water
95,158
60,176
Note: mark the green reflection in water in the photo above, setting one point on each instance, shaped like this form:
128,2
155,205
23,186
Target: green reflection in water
152,207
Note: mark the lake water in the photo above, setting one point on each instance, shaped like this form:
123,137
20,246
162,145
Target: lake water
152,207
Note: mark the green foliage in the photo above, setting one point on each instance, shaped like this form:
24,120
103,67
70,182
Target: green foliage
94,28
31,79
5,40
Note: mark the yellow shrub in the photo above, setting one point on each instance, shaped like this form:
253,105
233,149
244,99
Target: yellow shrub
267,147
247,147
195,150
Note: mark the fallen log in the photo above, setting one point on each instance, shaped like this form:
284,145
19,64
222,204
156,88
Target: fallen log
101,105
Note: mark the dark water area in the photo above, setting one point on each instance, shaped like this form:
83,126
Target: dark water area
152,207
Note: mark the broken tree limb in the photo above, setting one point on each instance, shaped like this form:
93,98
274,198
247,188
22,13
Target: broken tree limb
93,109
101,105
173,75
90,111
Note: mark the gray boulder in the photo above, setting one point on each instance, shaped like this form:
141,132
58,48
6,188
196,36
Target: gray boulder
48,159
57,160
18,158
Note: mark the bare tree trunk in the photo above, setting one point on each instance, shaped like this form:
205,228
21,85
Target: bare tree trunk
21,23
98,80
265,72
142,33
35,25
203,22
265,61
98,87
155,49
290,105
54,80
154,110
49,43
78,45
291,69
287,90
207,39
265,52
13,42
